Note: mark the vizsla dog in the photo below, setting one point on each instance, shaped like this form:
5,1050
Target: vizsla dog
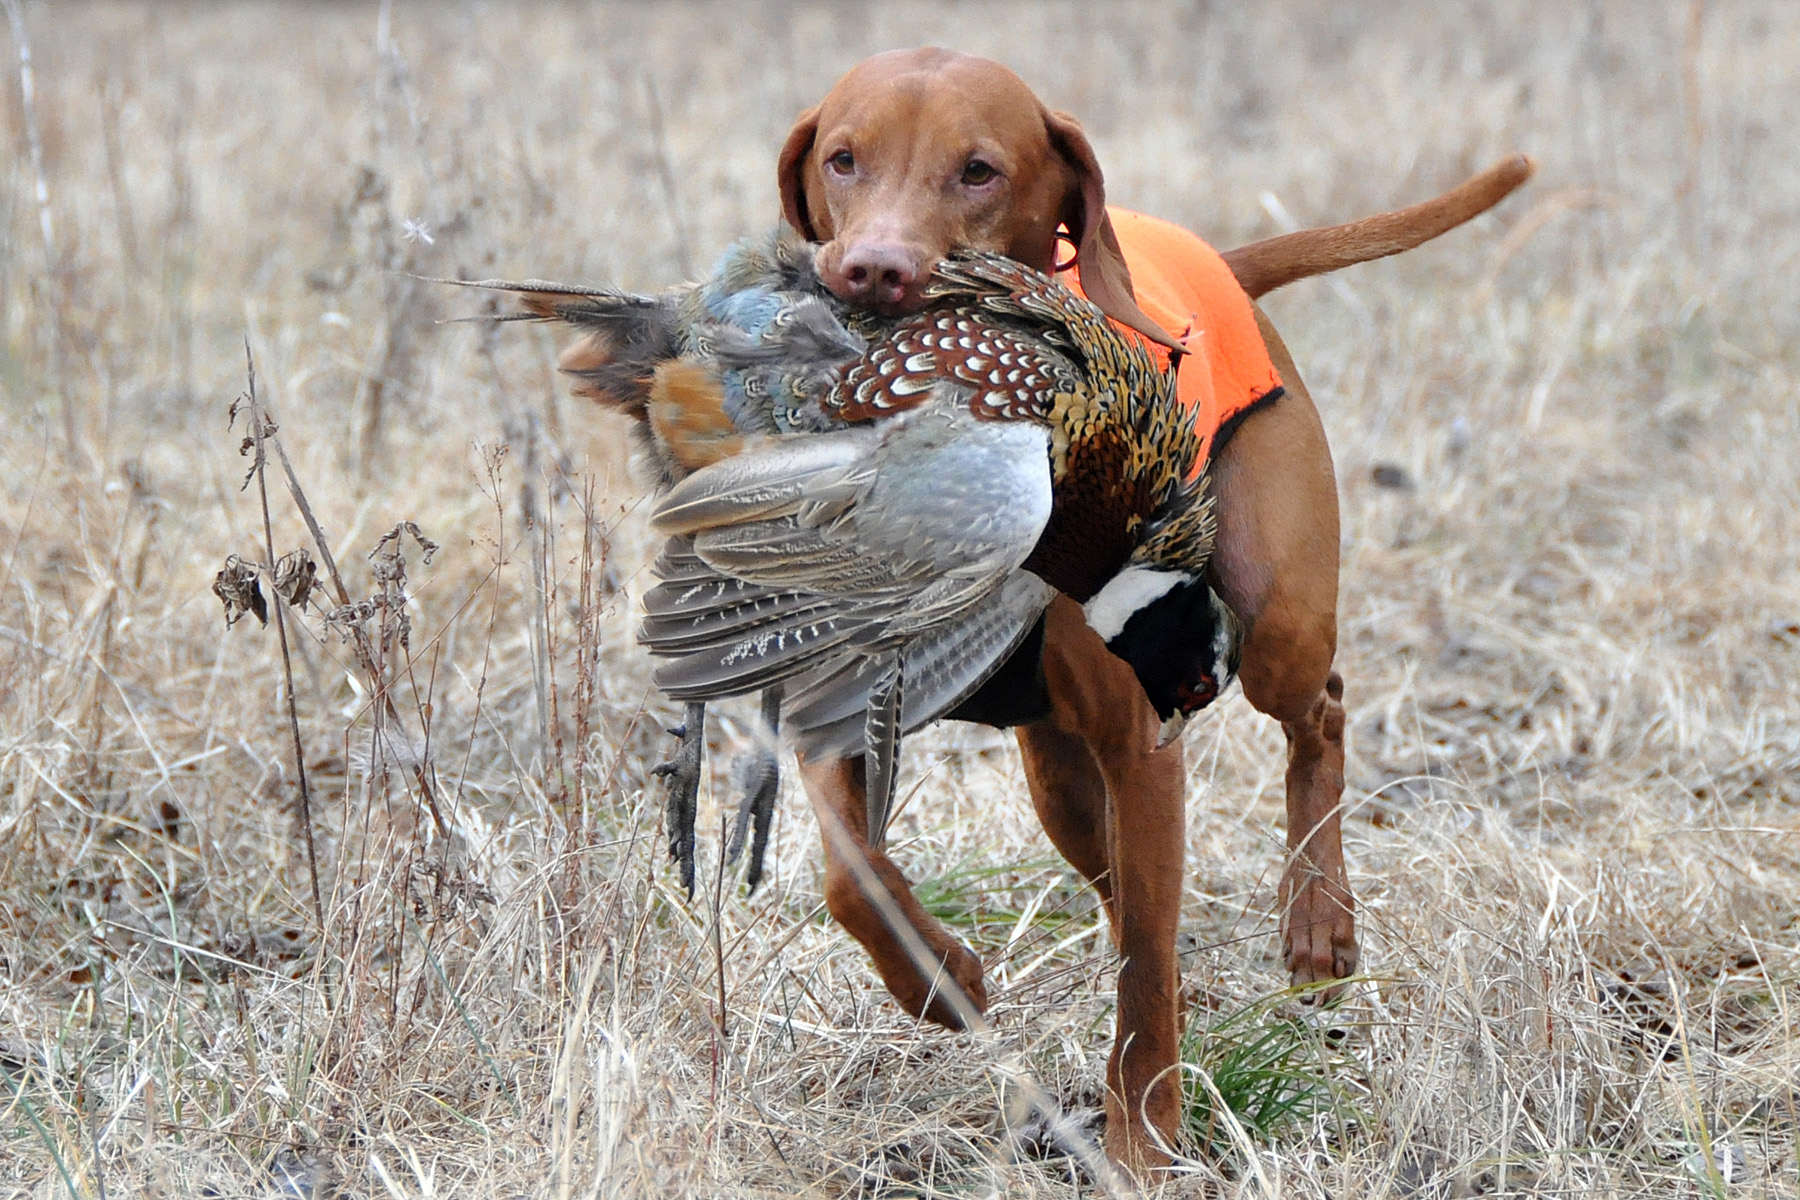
917,153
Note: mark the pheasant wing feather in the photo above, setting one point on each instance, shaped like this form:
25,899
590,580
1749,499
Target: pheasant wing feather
829,548
943,667
775,479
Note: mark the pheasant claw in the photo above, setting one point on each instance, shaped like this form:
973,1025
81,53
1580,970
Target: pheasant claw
758,772
683,775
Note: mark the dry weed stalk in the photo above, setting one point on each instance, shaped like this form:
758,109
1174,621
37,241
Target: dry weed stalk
299,585
665,173
590,574
111,100
403,244
180,240
53,301
378,630
350,618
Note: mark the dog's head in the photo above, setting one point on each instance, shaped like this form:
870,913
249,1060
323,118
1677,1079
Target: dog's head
917,153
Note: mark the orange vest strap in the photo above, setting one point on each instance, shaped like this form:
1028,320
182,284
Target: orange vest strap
1183,285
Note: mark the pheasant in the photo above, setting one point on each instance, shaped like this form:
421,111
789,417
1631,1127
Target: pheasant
651,357
872,513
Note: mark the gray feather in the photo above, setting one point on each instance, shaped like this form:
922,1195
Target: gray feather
679,632
838,551
768,655
769,481
943,669
882,746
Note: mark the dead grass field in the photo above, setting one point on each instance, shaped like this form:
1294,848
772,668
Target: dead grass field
1571,640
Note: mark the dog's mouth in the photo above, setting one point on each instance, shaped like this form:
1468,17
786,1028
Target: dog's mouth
903,307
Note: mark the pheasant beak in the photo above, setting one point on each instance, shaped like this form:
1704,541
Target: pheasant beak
1171,729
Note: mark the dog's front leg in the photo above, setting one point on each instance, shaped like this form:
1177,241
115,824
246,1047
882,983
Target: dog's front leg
1095,697
929,972
1148,846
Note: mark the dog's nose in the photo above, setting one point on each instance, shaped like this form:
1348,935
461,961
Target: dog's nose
882,274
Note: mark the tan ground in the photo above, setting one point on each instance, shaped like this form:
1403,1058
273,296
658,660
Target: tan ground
1571,643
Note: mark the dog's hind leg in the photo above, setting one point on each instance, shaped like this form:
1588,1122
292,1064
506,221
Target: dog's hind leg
1276,565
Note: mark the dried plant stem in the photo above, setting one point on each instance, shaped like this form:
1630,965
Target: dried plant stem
587,652
543,668
523,429
180,237
1694,37
15,15
94,1122
365,658
403,295
718,945
258,425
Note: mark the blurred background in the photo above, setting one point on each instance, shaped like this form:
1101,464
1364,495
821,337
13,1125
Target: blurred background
1565,438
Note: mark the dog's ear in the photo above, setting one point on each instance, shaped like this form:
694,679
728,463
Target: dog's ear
792,168
1104,276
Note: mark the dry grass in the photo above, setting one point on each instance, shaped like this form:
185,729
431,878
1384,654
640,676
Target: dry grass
1571,643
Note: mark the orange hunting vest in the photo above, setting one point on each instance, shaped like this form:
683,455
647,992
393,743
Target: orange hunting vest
1183,285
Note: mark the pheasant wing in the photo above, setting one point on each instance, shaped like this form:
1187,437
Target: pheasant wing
829,548
943,667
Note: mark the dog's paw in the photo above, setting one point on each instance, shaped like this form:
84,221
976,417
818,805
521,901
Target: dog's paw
1318,935
964,969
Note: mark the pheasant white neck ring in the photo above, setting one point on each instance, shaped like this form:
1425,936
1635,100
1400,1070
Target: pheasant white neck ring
1175,634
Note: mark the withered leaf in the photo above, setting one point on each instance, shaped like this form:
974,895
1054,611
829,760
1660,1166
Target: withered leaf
238,589
296,575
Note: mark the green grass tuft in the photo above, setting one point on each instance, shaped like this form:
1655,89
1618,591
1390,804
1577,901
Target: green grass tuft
1272,1071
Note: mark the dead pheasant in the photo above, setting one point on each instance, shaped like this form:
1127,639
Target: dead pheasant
873,513
655,358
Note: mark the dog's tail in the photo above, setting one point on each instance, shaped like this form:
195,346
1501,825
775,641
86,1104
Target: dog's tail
1263,266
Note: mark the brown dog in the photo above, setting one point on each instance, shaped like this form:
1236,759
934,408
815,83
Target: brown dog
917,153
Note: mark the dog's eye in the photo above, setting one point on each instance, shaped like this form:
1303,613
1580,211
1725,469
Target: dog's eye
842,163
976,172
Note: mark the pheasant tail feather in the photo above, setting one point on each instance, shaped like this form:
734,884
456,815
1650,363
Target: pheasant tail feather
883,752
